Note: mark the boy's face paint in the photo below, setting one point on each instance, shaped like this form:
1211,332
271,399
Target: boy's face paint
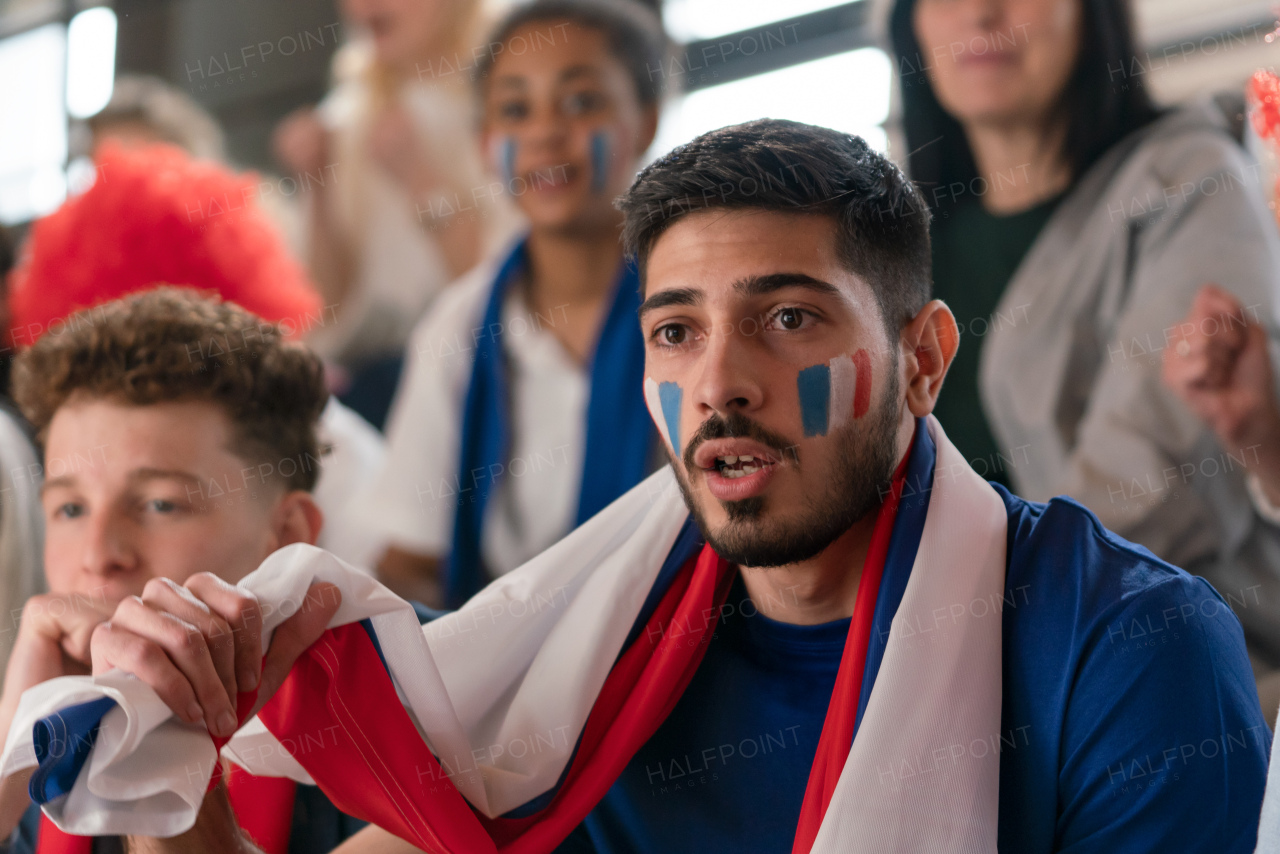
575,124
601,155
664,401
502,159
834,392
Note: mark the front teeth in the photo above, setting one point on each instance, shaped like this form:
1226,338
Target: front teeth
725,465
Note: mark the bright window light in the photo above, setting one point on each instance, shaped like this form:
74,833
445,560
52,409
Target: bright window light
31,160
91,61
688,20
848,92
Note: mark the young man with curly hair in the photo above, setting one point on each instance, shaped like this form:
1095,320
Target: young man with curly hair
180,438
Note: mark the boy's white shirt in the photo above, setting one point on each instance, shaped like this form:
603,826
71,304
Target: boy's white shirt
411,501
499,669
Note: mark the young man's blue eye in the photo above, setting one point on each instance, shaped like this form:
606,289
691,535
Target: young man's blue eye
70,511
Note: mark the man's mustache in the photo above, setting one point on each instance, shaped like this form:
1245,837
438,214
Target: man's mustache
738,426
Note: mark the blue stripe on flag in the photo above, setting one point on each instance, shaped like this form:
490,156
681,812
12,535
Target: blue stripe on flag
63,741
907,530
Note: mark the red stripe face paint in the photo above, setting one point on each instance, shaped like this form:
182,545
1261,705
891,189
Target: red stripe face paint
862,394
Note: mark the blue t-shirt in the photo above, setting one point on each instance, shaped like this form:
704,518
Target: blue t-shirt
1130,721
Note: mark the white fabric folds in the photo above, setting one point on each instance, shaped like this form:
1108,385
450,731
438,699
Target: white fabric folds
523,662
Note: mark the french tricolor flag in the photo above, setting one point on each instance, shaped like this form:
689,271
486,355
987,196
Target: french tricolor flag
498,727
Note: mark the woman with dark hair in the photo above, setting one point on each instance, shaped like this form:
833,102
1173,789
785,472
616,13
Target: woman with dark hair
1073,224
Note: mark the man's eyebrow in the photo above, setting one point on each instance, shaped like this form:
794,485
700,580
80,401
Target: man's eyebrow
147,473
675,296
576,71
62,481
760,285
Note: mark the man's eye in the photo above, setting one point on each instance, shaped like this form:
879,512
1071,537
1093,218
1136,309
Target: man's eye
672,334
161,505
789,318
70,510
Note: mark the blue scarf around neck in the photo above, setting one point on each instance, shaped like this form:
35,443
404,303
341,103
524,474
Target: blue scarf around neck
619,435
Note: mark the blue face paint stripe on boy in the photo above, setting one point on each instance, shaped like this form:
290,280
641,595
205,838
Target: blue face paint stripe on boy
599,161
508,160
814,385
671,397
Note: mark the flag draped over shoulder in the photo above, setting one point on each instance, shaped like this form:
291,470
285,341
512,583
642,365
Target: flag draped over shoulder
498,727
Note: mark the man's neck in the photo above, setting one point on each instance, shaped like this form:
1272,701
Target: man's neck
818,590
1022,163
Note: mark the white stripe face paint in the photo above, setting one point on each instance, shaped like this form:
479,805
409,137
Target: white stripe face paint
844,380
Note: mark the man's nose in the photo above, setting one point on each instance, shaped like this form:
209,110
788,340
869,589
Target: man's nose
729,380
108,545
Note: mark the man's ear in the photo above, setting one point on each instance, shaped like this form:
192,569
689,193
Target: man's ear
930,342
297,519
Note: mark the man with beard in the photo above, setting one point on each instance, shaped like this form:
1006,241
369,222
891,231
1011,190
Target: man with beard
860,646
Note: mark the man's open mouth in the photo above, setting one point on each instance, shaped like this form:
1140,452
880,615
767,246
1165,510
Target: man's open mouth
734,467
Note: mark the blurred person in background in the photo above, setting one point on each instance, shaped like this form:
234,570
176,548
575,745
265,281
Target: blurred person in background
156,217
144,110
398,202
521,412
1074,223
1219,363
21,522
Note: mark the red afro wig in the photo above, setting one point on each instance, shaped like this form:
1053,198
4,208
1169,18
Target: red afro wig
154,217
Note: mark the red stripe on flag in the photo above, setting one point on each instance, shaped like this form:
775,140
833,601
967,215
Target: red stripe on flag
54,841
375,767
837,729
641,690
375,770
263,808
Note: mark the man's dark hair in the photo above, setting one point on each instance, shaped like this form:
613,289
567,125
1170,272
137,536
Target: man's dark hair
882,223
1103,101
174,344
633,31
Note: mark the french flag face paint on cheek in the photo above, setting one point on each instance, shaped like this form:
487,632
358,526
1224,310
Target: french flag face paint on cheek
664,400
834,392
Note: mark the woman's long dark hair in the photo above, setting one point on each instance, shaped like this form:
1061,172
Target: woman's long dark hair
1104,100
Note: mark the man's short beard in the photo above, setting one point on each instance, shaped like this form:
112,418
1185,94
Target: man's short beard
856,484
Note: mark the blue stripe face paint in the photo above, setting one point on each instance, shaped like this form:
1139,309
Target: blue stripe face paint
599,161
505,155
664,400
814,385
